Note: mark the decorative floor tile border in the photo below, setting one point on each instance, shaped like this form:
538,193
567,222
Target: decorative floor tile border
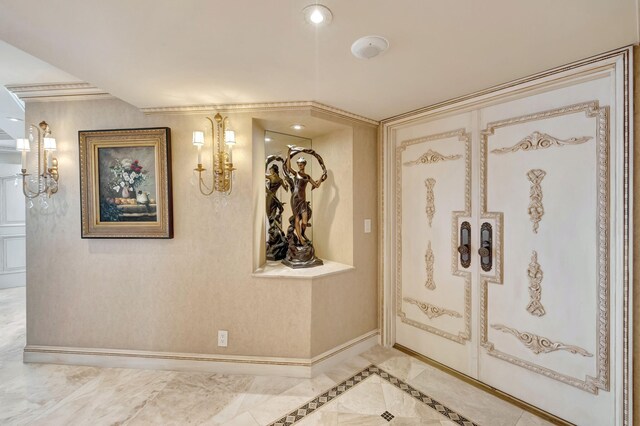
333,393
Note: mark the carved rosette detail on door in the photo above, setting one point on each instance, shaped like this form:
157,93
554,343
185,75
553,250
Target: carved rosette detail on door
431,157
539,344
537,140
432,311
429,260
535,290
536,208
431,200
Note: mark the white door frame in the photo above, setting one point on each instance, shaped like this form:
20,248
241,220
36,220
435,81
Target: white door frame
622,60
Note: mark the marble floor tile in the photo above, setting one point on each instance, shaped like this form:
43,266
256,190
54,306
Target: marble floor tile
192,399
402,405
348,368
230,411
264,388
40,394
355,419
311,387
366,398
114,397
275,407
370,394
320,418
412,421
244,419
468,400
379,354
403,366
33,389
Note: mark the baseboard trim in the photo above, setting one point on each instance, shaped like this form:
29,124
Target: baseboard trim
228,364
485,387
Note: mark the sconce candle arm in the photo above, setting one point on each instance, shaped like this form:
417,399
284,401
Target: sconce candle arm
222,179
47,176
28,193
201,184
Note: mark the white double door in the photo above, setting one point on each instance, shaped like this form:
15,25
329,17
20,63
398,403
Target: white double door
532,183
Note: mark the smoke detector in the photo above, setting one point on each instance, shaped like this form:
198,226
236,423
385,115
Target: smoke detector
369,47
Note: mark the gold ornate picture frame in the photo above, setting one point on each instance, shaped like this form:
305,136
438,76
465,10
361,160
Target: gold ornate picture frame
125,183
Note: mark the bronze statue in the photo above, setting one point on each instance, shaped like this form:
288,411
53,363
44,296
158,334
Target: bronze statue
300,253
276,242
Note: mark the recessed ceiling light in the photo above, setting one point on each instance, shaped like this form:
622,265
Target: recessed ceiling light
14,119
369,47
268,139
297,126
317,14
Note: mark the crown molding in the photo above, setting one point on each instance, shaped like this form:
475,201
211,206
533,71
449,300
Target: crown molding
83,91
261,107
57,92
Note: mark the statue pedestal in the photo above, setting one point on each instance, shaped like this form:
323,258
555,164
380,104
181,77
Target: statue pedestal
300,256
296,264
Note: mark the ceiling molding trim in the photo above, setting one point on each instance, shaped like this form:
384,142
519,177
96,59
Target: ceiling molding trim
261,107
57,92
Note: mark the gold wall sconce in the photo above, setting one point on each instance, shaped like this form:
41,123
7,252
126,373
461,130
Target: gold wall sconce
221,156
47,180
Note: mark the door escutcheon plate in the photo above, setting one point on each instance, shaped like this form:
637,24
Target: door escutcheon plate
465,244
486,248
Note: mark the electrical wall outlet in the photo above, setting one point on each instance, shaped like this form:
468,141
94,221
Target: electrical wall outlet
367,226
223,338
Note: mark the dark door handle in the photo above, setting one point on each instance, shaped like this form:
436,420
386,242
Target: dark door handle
465,244
485,251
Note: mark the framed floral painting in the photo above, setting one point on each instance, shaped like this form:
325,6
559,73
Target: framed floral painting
125,183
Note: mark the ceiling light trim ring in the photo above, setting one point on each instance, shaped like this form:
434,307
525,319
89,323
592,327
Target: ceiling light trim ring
317,15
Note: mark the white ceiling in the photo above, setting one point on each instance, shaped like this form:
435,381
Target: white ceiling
17,66
154,53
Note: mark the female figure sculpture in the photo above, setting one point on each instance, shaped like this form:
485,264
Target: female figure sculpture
276,241
300,253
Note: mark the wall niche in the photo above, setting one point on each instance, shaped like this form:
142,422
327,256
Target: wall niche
332,221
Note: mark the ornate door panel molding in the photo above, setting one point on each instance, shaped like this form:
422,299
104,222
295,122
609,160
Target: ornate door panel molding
430,310
536,208
538,140
538,344
535,289
431,157
601,116
429,260
429,183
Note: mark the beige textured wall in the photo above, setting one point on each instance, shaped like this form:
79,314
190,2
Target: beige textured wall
333,201
345,305
173,295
